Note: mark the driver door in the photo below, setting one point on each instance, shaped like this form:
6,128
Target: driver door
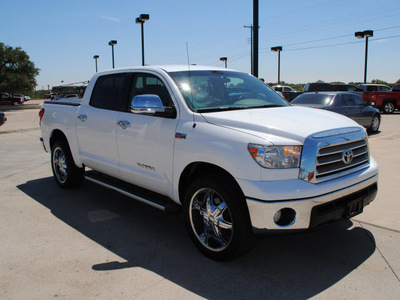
146,142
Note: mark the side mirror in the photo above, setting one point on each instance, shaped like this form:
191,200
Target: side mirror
151,105
368,103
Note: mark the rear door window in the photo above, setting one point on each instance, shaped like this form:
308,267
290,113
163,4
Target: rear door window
111,91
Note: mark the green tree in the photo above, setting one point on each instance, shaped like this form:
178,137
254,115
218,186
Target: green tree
378,81
17,72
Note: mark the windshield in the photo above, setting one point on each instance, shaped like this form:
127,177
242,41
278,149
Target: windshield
208,91
319,99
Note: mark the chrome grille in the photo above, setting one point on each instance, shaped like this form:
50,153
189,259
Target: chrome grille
331,159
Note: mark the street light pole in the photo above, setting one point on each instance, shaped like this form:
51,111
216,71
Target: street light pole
96,57
278,49
255,38
112,43
225,59
360,35
140,20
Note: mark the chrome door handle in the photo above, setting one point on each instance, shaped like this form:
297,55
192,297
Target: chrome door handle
83,118
124,124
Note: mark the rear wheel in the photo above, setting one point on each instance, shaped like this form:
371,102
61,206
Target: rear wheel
65,172
388,107
217,217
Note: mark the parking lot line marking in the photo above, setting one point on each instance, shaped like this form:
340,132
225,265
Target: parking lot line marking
385,136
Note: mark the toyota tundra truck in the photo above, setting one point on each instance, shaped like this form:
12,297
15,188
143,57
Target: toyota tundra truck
216,144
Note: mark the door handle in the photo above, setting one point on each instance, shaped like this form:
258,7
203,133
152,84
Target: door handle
124,124
83,118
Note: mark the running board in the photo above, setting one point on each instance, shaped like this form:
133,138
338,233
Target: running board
147,197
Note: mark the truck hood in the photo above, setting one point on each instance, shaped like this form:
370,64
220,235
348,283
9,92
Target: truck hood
280,125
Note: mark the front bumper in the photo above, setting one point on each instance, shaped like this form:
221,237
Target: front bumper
314,211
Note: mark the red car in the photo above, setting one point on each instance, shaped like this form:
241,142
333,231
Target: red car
6,98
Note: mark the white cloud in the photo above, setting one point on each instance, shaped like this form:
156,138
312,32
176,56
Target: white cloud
111,19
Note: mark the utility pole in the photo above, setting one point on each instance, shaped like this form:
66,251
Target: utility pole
251,45
255,38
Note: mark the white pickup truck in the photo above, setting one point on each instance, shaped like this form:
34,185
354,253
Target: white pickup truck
218,143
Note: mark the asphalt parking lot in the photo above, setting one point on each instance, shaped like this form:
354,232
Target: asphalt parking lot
91,242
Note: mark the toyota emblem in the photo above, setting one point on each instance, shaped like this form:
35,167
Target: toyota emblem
347,156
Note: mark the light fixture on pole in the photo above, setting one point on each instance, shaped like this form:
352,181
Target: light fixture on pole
225,59
278,49
360,35
140,20
112,43
96,57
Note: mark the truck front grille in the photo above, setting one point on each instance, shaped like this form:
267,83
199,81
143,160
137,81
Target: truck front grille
334,153
339,158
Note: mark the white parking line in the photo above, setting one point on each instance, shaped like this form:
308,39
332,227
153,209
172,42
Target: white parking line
385,136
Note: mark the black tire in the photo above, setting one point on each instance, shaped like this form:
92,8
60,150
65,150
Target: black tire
217,217
15,103
388,107
376,123
65,172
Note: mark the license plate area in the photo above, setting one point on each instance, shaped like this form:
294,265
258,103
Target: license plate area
354,207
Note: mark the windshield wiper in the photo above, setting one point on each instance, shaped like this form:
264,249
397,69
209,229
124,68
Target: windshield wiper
266,106
220,108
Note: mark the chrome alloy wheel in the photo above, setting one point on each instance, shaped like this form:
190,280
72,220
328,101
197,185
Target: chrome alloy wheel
388,107
375,124
210,219
60,165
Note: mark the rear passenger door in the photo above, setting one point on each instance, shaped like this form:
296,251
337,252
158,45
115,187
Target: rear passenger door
96,125
366,114
349,107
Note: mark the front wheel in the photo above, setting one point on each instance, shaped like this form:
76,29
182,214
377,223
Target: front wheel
65,172
376,122
217,218
388,107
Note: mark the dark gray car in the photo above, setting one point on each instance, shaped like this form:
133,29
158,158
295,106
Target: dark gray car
348,104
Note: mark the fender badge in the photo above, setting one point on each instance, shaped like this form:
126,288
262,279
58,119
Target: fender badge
180,136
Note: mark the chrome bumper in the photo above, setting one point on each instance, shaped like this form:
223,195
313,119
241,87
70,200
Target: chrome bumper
262,213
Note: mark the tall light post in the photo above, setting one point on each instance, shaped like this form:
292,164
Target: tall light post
360,35
225,59
96,57
112,43
278,49
140,20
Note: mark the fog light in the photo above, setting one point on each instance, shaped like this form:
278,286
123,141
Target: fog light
285,217
277,216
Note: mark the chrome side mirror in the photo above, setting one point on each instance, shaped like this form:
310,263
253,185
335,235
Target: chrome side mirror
151,105
147,104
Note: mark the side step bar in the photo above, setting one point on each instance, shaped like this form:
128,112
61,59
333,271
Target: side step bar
147,197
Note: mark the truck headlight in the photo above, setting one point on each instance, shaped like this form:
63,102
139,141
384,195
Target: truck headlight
276,157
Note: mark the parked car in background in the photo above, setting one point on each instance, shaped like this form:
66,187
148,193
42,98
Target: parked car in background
329,87
3,118
6,98
323,87
26,98
65,97
387,102
348,104
285,91
283,88
373,88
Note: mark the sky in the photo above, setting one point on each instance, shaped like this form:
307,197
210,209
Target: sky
317,36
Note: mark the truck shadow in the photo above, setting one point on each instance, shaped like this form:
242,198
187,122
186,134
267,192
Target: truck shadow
290,266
